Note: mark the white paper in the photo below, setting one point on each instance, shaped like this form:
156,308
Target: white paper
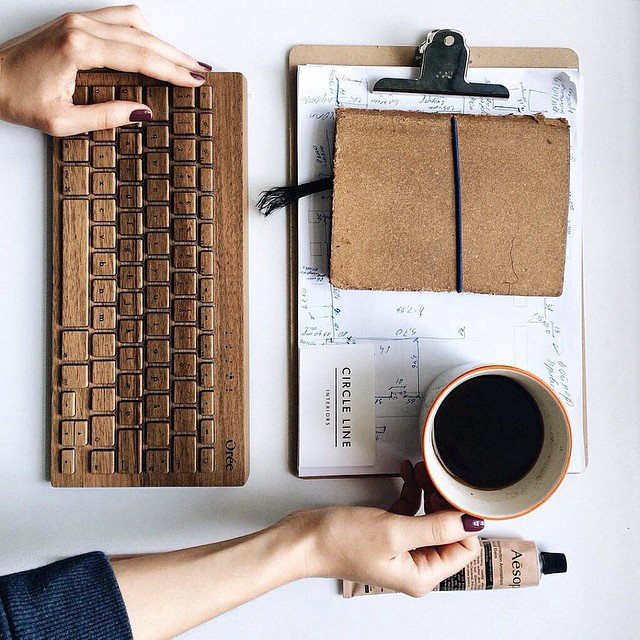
336,406
417,335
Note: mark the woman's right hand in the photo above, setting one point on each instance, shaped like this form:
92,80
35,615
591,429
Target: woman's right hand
38,69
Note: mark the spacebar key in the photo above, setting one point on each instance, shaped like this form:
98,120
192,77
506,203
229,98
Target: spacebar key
75,263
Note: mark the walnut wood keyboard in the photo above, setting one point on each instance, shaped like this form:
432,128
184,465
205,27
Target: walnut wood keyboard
149,361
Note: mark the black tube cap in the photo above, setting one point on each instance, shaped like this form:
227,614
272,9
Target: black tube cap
553,562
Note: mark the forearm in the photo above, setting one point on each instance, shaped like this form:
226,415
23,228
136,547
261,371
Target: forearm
168,593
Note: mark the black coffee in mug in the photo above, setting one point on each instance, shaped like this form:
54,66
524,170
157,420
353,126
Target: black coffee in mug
488,432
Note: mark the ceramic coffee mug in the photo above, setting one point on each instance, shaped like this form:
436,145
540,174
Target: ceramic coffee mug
537,485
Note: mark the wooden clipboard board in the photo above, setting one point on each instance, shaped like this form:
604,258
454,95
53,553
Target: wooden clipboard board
397,56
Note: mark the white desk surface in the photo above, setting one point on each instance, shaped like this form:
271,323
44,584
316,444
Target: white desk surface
594,517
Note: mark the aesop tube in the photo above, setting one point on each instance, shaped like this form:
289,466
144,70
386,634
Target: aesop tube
502,564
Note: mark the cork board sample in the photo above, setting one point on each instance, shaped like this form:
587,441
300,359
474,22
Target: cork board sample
393,220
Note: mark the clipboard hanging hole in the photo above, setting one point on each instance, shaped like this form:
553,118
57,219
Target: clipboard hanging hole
449,40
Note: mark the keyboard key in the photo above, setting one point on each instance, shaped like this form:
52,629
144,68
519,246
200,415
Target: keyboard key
184,364
129,450
103,183
157,137
157,406
206,207
103,210
103,290
184,150
206,403
158,163
184,391
158,242
206,346
75,263
157,297
104,135
206,179
206,152
130,385
67,433
158,351
207,434
206,263
130,277
130,358
207,464
102,94
80,433
206,97
75,150
184,420
129,413
184,202
75,180
157,190
183,97
158,378
103,318
206,290
130,143
206,234
184,177
158,434
75,345
103,264
74,376
157,461
206,318
184,283
103,431
103,399
205,124
206,375
184,454
68,461
157,99
184,310
81,95
157,270
130,223
130,303
184,122
103,372
102,462
103,236
130,250
131,94
103,156
157,324
184,337
130,196
184,230
129,331
103,345
184,257
68,404
157,216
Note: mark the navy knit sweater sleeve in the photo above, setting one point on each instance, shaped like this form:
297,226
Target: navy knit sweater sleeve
69,599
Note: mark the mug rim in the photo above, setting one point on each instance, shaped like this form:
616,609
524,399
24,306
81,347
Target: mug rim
567,425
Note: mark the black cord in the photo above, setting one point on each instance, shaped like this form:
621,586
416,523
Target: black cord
458,198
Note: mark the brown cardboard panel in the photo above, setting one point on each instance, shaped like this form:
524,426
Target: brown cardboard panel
393,221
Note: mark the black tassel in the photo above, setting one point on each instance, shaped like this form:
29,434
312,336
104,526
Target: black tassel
279,197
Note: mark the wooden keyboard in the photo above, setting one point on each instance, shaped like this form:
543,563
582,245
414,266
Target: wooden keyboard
149,335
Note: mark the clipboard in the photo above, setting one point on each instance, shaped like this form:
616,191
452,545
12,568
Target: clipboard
372,55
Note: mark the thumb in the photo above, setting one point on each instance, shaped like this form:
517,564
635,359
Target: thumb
92,117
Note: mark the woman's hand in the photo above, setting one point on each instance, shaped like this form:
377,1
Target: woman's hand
391,549
38,69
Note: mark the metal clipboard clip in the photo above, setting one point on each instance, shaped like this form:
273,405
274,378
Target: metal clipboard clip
444,58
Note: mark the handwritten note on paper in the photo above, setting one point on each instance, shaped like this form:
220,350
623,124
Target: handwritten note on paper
417,335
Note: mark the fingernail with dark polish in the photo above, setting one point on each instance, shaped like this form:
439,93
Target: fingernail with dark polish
471,523
197,76
204,65
140,115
